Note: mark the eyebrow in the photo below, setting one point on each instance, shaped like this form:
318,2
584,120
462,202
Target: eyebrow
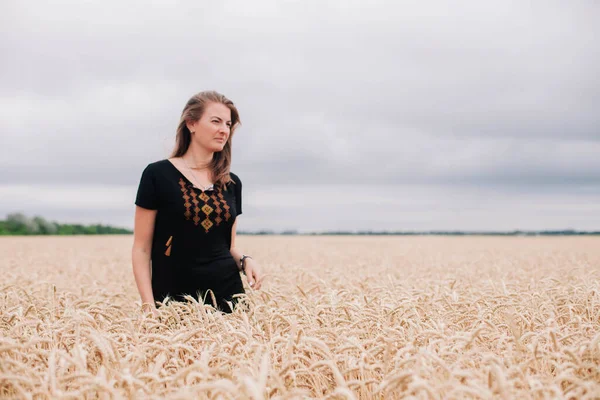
219,118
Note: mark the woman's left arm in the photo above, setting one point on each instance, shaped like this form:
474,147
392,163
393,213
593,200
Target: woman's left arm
251,268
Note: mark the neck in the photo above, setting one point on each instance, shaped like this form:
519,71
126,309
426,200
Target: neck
197,156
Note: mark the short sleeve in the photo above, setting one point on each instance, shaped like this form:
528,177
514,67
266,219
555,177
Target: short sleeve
147,193
237,190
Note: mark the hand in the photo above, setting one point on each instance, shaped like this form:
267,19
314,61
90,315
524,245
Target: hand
147,307
253,273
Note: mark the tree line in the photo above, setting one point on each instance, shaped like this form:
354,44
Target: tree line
20,224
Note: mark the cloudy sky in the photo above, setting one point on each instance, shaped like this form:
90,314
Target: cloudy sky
397,115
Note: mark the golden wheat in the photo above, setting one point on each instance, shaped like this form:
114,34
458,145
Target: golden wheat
338,318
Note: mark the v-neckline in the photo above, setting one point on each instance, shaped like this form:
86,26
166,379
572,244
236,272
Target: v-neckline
211,187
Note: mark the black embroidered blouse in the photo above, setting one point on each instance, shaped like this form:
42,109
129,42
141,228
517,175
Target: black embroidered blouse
192,234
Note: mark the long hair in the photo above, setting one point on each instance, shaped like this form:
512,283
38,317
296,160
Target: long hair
192,112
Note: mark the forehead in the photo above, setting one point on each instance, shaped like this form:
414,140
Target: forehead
218,110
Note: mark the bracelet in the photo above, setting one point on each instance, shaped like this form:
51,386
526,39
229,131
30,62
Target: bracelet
243,262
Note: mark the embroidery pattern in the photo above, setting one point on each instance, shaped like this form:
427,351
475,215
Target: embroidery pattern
196,208
186,198
225,206
219,204
207,223
218,209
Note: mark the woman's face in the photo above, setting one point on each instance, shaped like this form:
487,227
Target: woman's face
212,130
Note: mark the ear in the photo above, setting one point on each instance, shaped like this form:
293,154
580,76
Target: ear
191,125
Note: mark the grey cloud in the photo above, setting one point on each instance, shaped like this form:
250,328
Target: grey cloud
493,93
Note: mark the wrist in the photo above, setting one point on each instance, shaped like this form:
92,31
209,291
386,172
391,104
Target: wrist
243,259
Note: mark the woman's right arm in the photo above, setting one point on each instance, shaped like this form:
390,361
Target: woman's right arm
143,232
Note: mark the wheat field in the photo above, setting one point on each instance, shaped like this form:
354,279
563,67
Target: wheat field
337,317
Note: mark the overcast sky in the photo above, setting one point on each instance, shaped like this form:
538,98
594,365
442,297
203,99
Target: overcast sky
397,115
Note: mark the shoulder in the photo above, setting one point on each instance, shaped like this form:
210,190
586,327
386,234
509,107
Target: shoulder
236,179
156,166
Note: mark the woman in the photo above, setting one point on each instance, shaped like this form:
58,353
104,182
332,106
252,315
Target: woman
186,213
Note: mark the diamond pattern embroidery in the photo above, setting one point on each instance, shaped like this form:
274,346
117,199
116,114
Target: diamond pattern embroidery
207,224
225,206
196,218
194,203
206,209
186,198
218,210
